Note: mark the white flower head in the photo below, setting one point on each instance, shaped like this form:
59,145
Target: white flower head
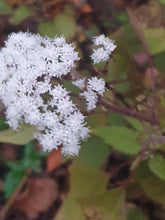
95,87
91,99
79,83
102,53
29,64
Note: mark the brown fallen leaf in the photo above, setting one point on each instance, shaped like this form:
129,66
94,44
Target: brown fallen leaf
52,8
37,197
13,3
54,159
86,8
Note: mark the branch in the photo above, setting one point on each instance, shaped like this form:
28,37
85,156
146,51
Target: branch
13,197
148,134
137,27
128,112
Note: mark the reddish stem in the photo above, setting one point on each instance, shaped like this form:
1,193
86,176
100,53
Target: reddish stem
127,112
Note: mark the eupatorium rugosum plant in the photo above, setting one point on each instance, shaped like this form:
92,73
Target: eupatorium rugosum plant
31,87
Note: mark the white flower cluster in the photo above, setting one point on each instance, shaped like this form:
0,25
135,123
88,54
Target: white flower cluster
106,47
29,68
31,71
94,88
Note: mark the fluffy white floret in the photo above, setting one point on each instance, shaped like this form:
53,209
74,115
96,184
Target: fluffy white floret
106,47
79,83
91,99
95,87
99,55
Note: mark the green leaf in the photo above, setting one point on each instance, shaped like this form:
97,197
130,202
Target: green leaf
4,8
107,206
96,120
3,124
29,149
20,14
162,1
47,28
142,172
121,68
122,17
155,39
84,182
153,187
93,152
31,157
159,61
123,87
136,214
16,166
21,136
116,119
120,138
95,180
129,41
63,24
70,87
157,166
134,123
11,182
